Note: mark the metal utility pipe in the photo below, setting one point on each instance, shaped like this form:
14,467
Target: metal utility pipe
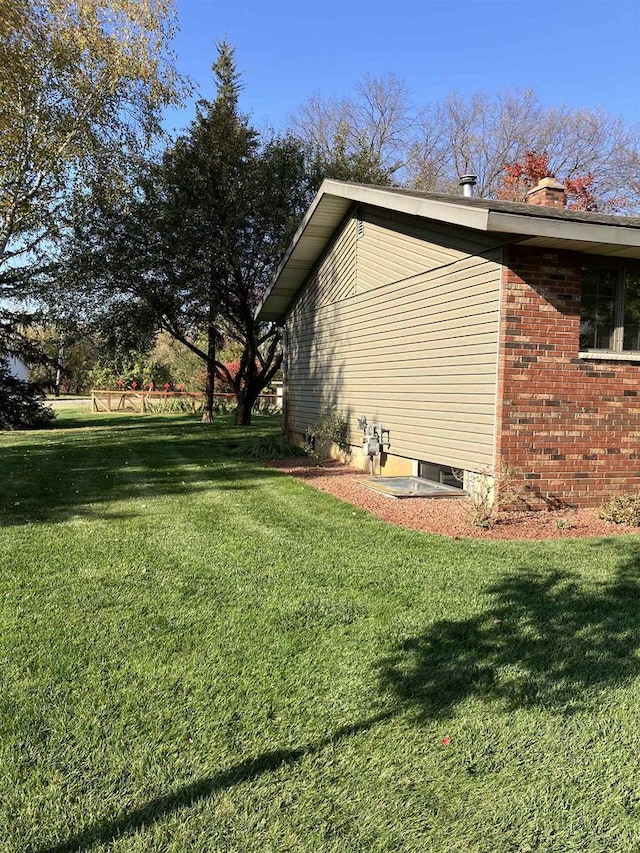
468,182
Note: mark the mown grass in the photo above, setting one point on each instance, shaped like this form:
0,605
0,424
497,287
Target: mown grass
201,654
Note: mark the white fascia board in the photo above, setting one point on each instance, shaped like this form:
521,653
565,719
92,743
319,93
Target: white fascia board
294,242
562,229
455,214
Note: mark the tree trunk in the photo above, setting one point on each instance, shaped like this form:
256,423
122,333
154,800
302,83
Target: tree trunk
245,399
59,367
207,410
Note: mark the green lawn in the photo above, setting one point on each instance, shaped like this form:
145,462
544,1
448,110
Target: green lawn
199,653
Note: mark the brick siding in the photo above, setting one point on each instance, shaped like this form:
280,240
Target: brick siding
571,425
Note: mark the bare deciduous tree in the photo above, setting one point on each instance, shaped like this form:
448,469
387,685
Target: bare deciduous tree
481,133
366,136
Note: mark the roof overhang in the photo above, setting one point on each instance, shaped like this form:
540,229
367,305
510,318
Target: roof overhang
568,230
607,235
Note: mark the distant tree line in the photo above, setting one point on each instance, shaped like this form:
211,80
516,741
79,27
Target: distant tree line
380,135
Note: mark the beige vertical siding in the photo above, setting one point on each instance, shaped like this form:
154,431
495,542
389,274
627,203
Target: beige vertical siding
401,324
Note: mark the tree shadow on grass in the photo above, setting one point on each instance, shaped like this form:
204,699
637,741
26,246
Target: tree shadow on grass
76,472
105,832
550,640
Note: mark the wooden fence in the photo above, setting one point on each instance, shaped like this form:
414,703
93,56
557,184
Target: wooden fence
143,402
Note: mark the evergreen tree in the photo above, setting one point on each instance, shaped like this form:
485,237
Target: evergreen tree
201,237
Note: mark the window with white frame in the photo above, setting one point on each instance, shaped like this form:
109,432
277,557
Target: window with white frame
610,310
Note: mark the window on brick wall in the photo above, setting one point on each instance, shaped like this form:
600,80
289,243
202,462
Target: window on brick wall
610,310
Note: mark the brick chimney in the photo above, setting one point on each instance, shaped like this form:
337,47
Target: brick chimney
548,193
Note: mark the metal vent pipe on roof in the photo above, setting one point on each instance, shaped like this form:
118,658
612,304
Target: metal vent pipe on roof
468,182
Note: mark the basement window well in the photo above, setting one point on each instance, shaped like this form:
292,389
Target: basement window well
409,487
443,474
433,481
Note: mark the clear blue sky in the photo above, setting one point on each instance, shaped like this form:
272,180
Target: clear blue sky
580,52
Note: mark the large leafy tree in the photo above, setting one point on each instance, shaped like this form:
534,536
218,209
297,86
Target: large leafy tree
82,84
201,236
202,209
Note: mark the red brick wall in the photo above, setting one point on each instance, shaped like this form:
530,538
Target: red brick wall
571,425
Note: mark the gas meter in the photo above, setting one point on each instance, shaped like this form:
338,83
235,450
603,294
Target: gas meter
375,438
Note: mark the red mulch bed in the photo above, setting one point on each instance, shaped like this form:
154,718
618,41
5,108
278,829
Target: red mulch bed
449,516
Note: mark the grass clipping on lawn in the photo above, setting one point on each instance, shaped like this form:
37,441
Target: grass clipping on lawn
201,653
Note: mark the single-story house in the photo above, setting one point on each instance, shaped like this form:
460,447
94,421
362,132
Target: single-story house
480,333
